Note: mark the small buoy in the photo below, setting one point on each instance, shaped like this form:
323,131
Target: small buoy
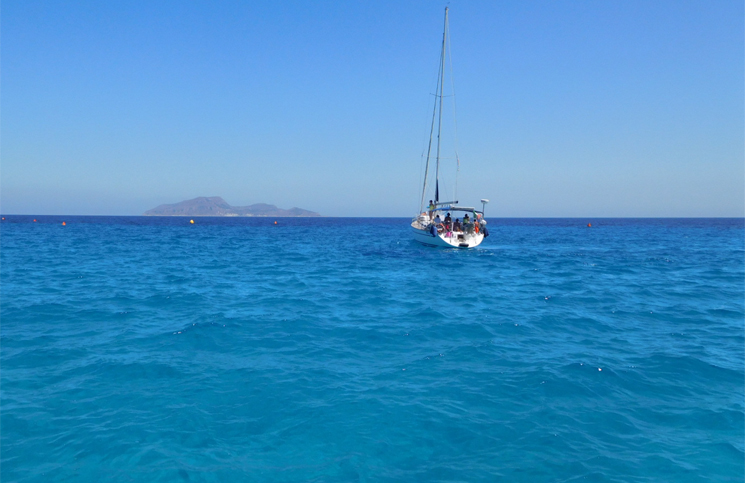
275,222
599,369
191,221
63,223
34,220
3,218
589,225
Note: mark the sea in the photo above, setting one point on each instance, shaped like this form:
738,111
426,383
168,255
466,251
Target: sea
151,349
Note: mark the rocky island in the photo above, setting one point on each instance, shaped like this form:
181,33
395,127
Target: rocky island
216,206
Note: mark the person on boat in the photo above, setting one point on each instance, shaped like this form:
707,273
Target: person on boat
431,208
448,221
467,224
457,226
438,224
481,226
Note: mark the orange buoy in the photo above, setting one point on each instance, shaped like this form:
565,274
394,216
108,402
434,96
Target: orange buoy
3,218
275,222
34,220
589,225
63,223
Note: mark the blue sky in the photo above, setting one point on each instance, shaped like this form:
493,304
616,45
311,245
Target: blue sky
602,108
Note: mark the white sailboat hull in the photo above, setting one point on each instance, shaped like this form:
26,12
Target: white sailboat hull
455,240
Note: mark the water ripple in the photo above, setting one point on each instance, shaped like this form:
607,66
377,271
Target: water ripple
143,349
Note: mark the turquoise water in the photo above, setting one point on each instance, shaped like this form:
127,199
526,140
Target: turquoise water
147,349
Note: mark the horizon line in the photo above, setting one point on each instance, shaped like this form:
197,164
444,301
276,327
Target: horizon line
402,217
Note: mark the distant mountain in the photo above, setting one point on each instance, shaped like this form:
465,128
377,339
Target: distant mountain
216,206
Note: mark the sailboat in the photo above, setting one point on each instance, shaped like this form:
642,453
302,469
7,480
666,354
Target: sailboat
434,225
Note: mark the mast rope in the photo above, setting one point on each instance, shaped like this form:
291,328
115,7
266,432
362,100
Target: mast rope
455,118
439,120
432,128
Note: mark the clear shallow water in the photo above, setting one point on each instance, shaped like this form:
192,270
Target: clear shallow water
145,349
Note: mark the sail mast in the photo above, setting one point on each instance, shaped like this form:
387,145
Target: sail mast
439,121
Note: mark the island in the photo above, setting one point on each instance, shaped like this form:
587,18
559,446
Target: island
216,206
